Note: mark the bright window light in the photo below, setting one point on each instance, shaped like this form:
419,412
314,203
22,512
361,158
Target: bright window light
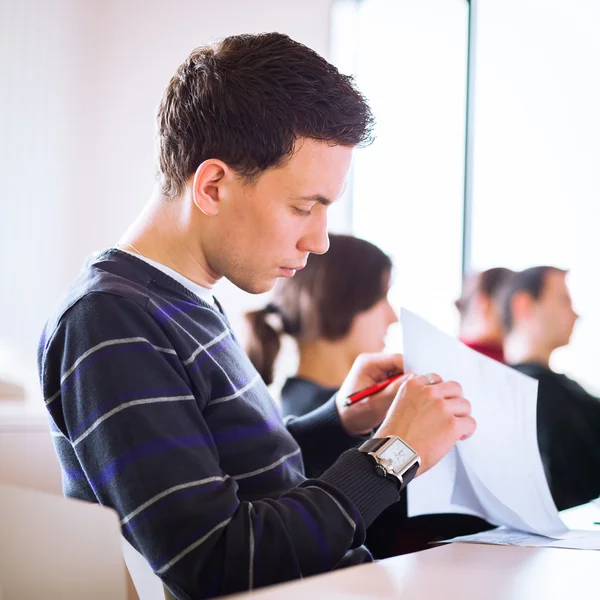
410,60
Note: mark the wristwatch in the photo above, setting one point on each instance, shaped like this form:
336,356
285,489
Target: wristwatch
393,458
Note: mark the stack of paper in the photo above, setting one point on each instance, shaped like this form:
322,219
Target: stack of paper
497,474
584,532
504,536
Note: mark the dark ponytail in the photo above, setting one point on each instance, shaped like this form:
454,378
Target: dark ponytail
264,342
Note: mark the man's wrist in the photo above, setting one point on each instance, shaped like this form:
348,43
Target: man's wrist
392,457
354,476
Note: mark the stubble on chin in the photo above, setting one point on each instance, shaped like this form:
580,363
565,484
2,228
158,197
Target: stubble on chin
254,285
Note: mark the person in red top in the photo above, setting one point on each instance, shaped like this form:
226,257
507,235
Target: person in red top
479,307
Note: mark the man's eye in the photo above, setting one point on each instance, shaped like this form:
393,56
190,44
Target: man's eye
302,213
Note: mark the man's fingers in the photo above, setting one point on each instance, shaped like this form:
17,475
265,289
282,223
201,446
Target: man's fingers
459,407
429,379
465,427
448,389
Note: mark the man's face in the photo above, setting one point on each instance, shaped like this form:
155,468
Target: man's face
267,229
553,313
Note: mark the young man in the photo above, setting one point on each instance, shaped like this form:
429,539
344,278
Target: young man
479,307
157,411
539,318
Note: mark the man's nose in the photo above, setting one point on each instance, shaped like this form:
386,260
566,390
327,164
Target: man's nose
316,240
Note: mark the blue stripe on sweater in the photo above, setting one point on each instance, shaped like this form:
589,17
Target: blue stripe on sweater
123,398
113,351
115,467
234,435
164,313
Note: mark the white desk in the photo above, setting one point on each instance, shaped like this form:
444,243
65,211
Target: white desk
462,572
456,571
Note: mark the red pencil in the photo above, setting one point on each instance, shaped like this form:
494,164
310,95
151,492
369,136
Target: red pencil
371,390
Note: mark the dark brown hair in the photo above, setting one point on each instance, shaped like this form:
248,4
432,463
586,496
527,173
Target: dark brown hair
531,281
245,101
321,300
490,283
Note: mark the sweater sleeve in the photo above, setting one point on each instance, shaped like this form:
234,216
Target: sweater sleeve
131,434
321,437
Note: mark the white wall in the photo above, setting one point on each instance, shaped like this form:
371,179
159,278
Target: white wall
80,83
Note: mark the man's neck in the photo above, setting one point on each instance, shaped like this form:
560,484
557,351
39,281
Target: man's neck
324,362
520,348
162,233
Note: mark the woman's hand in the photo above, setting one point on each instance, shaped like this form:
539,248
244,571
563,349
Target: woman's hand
368,369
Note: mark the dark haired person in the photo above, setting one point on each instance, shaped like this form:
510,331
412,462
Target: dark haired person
335,309
480,310
157,411
539,318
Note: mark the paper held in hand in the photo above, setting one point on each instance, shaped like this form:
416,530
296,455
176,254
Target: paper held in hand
497,474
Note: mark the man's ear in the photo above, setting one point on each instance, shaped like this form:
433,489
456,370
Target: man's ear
521,305
208,178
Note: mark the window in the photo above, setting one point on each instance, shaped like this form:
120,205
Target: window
410,60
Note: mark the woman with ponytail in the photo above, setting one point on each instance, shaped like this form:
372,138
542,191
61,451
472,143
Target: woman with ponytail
335,309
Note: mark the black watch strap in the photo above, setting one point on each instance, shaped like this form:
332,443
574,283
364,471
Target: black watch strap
409,475
373,445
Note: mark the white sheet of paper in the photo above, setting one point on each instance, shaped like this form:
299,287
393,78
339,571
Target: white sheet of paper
576,539
583,517
497,474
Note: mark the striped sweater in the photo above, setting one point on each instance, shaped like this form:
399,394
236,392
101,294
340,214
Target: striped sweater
157,412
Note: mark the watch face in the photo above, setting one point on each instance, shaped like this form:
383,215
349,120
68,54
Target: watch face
397,455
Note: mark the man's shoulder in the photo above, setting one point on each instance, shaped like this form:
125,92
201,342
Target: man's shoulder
558,386
105,274
115,283
540,372
551,388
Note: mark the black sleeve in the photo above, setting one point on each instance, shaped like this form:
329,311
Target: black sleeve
321,437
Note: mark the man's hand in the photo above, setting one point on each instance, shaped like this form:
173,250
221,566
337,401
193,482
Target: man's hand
430,417
368,369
